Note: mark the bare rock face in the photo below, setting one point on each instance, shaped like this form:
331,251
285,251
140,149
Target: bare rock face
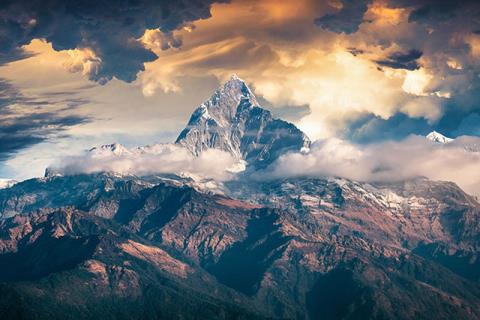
232,120
109,269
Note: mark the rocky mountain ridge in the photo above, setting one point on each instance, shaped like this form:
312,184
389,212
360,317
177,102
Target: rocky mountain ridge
232,120
278,255
161,247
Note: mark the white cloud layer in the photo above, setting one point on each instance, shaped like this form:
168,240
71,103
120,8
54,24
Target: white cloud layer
157,159
458,161
415,156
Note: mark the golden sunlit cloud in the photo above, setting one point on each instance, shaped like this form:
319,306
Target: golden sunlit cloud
290,61
416,82
318,71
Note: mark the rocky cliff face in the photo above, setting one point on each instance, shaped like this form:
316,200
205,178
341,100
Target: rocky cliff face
233,121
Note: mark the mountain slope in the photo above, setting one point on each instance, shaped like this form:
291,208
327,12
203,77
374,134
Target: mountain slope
285,261
231,120
116,275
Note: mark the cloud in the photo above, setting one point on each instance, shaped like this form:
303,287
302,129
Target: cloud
389,65
26,121
402,60
108,29
428,72
347,19
435,11
157,159
388,161
20,132
369,128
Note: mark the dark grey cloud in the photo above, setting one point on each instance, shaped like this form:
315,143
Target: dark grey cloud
455,122
370,128
347,19
434,12
438,10
24,131
402,60
109,28
20,129
355,51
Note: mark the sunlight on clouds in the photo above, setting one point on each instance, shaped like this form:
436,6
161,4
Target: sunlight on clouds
454,64
473,40
416,82
84,61
429,108
381,14
30,74
317,70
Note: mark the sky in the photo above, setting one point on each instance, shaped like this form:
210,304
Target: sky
74,74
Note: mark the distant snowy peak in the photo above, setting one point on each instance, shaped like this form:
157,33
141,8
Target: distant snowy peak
232,120
438,137
467,143
116,149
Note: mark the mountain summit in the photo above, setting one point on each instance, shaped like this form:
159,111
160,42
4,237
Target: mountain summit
233,121
438,137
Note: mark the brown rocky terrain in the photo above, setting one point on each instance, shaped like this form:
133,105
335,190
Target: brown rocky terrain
313,249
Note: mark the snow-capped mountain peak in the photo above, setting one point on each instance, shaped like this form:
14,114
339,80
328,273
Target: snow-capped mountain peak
233,121
115,148
222,105
438,137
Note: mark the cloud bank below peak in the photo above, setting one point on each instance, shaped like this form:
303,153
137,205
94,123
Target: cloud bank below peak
157,159
458,161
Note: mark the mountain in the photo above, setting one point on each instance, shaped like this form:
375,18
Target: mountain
101,270
438,137
116,149
297,248
120,246
467,143
232,120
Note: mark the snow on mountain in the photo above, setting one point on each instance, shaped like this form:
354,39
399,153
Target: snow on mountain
233,121
115,148
438,137
467,143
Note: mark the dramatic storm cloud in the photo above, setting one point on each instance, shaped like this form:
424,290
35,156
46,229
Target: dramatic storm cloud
347,19
106,33
349,60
